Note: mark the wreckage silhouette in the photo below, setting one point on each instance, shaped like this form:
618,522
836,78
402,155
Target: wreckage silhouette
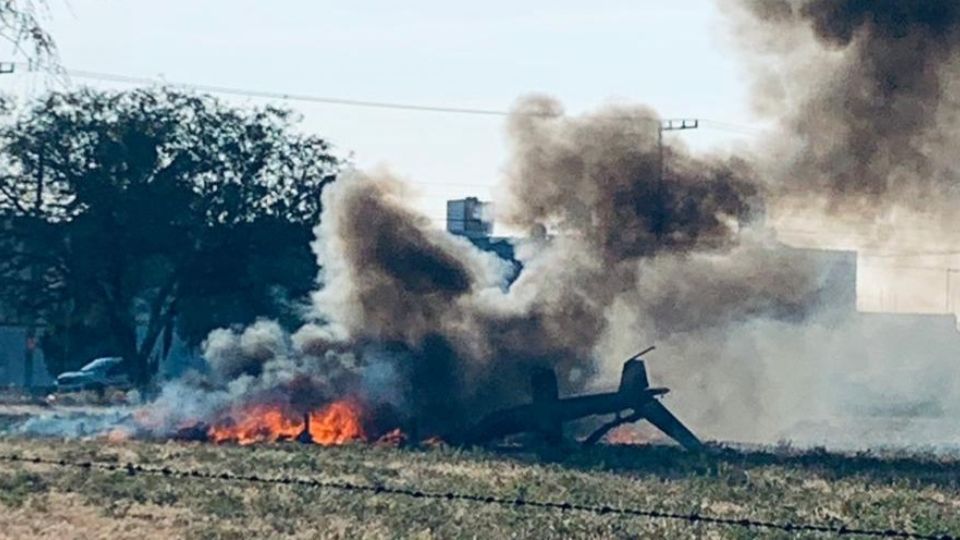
547,412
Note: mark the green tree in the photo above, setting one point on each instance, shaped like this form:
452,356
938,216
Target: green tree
127,213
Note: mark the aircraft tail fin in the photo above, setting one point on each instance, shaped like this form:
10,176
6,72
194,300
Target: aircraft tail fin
634,378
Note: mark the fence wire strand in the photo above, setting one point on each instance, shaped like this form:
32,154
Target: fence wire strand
134,469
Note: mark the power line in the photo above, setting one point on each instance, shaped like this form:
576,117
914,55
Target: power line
330,100
229,90
728,126
450,184
518,503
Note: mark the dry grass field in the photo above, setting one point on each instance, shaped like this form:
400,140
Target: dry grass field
919,494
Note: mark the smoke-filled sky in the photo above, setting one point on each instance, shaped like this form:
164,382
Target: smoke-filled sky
756,338
672,56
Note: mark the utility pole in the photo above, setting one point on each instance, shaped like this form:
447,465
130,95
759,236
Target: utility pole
666,125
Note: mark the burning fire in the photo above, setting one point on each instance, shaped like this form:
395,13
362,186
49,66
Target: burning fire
337,423
633,434
394,437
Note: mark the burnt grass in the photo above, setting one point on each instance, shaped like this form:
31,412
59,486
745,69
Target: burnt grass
917,493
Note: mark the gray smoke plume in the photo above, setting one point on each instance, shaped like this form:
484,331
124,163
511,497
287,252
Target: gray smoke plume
752,336
422,327
864,93
677,257
861,94
599,177
688,253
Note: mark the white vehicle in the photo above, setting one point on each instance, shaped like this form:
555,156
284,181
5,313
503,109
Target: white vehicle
98,375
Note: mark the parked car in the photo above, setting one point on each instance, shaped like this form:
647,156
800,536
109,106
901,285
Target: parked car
98,375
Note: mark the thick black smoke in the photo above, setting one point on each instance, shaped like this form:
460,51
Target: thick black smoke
459,343
680,255
624,255
865,90
600,177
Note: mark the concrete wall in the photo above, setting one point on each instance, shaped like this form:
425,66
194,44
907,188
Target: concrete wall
910,284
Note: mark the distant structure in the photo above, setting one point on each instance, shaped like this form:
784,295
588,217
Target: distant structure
470,217
907,265
473,219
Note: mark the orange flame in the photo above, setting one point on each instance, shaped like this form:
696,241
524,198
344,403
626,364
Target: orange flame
337,423
394,437
119,435
633,434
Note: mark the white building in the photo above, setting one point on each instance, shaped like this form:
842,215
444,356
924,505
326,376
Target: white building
906,264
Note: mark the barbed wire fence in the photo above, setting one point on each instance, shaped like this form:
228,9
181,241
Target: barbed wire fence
519,503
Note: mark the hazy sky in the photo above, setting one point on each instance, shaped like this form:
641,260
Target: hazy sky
674,56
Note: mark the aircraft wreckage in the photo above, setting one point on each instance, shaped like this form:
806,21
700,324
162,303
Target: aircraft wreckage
545,415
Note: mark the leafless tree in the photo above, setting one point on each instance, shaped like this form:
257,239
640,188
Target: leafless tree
21,25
